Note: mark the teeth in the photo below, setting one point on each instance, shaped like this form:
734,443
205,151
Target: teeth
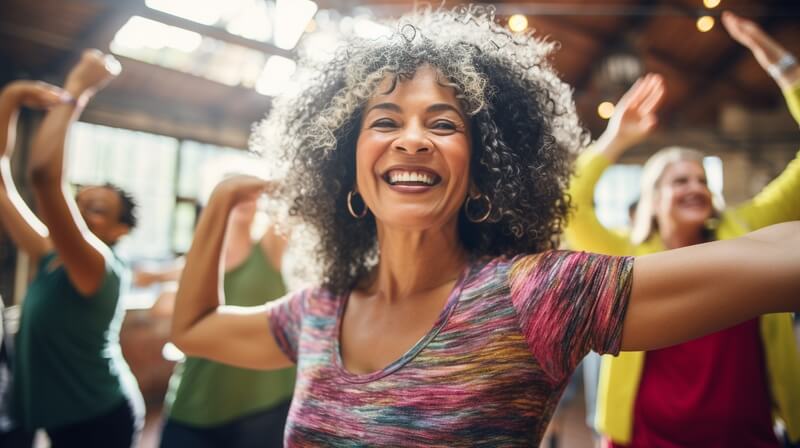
407,176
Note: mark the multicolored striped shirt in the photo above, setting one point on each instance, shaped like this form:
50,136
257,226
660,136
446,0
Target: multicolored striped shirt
489,373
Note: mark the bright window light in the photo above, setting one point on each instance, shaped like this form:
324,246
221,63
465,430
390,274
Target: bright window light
280,22
291,18
178,49
141,33
276,76
369,29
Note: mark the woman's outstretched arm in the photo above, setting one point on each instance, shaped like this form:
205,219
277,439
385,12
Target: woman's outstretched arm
685,293
201,325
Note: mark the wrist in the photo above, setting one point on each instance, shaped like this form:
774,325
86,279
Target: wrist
611,145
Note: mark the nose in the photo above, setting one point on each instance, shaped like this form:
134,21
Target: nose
412,140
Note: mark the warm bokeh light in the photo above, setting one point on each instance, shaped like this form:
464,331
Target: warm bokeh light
705,23
517,23
711,4
605,110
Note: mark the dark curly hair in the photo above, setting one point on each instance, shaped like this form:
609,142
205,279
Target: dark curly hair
523,125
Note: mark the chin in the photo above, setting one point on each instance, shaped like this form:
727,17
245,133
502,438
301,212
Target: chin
412,220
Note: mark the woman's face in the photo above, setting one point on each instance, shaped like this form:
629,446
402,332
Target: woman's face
413,153
682,194
100,208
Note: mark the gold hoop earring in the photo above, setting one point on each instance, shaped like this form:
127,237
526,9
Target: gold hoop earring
355,215
483,217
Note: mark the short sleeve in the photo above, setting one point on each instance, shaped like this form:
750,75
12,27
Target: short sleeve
285,318
569,303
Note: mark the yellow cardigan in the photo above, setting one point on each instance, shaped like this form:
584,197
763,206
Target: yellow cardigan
620,376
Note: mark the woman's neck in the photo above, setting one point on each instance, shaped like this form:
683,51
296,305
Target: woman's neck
415,262
674,236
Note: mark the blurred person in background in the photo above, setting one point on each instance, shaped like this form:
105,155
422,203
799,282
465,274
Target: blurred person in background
70,378
724,388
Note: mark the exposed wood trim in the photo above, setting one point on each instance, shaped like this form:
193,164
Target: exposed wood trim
98,34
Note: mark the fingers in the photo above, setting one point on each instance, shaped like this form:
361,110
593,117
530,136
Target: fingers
749,34
41,95
645,95
655,95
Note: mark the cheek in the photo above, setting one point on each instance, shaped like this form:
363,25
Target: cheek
368,152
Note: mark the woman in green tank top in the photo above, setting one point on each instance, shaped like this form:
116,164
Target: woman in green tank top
212,404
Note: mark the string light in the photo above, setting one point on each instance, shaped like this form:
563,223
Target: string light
605,110
705,23
517,23
711,4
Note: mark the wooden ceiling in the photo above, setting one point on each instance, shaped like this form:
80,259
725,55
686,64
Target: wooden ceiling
43,38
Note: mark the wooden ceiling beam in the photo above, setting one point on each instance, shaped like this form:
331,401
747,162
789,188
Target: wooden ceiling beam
215,33
98,34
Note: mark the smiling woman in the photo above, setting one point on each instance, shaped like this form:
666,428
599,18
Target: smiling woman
433,166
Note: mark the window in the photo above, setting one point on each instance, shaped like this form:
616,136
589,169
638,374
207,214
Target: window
167,177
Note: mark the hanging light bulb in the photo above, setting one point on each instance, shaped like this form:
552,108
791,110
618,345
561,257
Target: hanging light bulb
705,23
517,23
605,110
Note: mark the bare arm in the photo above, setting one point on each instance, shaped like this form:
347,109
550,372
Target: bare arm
685,293
80,251
201,326
765,49
26,230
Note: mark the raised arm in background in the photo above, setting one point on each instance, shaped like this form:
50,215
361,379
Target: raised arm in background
779,201
26,230
633,120
80,251
201,325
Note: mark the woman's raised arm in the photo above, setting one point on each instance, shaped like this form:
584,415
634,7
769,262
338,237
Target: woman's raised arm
201,325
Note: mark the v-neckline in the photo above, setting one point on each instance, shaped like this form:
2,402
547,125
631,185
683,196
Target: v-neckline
411,353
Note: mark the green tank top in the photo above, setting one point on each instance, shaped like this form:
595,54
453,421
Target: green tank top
68,365
208,393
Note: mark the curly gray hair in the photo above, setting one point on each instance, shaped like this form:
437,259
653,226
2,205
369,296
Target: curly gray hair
523,125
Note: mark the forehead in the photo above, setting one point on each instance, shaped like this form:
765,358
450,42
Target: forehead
101,195
426,86
685,168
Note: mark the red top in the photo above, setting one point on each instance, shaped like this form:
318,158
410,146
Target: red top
709,392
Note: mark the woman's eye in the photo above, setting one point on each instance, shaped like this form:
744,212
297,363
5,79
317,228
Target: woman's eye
444,125
383,123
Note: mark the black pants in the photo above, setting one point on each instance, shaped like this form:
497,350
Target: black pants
262,430
118,428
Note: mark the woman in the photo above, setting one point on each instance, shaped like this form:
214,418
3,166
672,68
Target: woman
724,388
216,405
432,165
69,375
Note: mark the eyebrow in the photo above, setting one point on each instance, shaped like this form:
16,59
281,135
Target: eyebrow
437,107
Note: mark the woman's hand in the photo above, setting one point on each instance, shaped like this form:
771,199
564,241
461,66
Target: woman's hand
634,116
237,189
36,94
92,73
766,50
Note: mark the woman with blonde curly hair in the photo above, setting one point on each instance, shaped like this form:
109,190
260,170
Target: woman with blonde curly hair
432,167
